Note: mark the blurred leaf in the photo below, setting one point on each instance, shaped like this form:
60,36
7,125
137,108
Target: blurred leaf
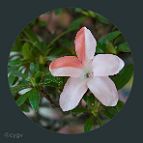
58,11
110,112
42,60
21,99
38,75
31,35
78,110
24,108
110,48
82,11
26,52
99,50
119,105
34,98
89,99
76,23
123,77
53,81
16,62
12,79
101,18
19,87
88,125
105,44
33,67
110,37
124,47
33,39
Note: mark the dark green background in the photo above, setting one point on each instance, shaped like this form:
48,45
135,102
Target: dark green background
127,125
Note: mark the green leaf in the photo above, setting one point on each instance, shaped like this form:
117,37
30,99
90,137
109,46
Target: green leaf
110,37
88,125
119,105
19,87
32,38
76,23
110,112
101,18
58,11
12,79
79,110
26,52
38,75
89,100
124,47
24,108
21,99
123,77
31,35
34,98
53,81
99,50
16,62
33,67
110,48
105,44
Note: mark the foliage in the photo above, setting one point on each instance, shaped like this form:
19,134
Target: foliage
42,41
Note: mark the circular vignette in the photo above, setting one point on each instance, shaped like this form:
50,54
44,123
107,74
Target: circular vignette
61,44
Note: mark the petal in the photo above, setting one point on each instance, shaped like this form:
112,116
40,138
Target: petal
85,45
66,66
104,90
106,64
73,91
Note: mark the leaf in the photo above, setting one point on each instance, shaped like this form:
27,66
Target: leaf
53,81
79,110
89,100
110,48
101,18
26,52
124,47
105,44
88,125
16,62
19,87
31,35
119,105
34,98
21,99
12,79
24,108
38,75
58,11
123,77
110,37
76,23
110,112
33,38
33,67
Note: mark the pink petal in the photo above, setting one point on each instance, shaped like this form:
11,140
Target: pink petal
66,66
73,91
85,45
106,64
104,90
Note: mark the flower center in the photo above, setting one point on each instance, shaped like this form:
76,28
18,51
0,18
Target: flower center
87,71
87,75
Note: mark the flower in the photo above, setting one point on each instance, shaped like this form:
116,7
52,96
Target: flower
87,71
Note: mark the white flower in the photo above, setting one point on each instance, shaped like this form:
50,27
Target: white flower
87,71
